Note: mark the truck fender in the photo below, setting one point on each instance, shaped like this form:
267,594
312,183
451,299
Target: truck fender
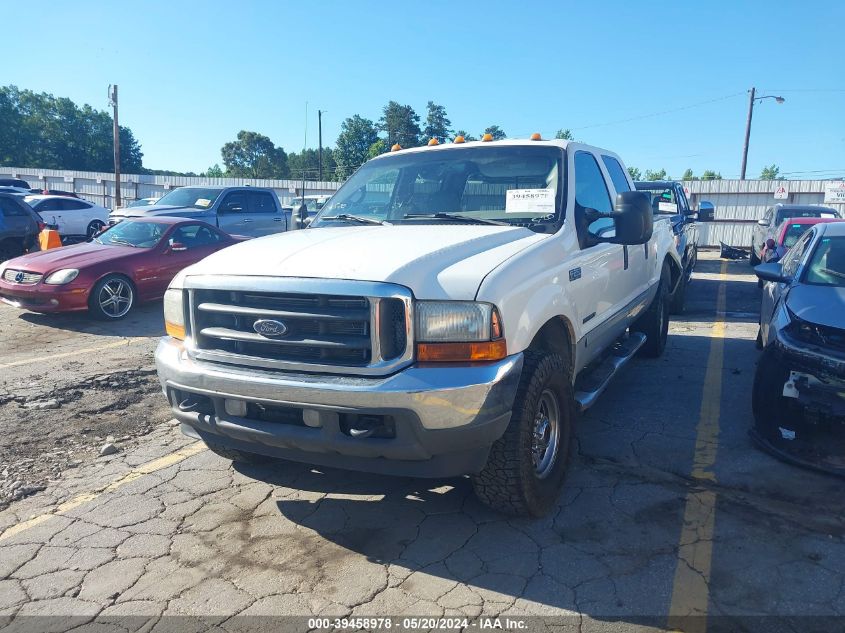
556,335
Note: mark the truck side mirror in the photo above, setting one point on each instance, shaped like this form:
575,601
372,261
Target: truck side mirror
706,211
302,216
633,219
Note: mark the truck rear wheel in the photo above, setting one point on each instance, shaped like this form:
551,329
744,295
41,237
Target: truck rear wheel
527,465
654,323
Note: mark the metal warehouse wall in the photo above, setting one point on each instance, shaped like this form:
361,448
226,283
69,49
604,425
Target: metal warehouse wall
99,186
739,203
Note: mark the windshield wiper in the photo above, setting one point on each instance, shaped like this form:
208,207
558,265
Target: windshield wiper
122,242
346,217
455,216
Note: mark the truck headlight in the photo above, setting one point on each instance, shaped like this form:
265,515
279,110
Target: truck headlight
60,277
458,331
174,313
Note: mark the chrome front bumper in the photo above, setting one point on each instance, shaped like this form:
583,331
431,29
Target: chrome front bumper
443,411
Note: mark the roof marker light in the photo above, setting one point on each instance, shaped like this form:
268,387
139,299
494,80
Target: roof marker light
536,137
487,138
434,141
396,148
459,139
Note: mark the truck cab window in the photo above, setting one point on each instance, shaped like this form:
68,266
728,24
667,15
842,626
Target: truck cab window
234,203
590,193
617,174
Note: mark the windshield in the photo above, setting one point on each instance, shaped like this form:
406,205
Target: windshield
513,184
827,267
793,232
143,202
133,233
312,204
785,214
196,197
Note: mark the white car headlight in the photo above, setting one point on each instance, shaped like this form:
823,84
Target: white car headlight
60,277
174,313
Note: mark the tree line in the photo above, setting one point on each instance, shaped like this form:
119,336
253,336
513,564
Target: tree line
38,129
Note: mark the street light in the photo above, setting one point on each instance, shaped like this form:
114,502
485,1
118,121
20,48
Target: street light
752,99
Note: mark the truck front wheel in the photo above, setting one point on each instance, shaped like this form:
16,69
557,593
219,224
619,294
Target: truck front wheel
527,465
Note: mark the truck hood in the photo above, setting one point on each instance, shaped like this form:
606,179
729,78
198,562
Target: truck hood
156,209
445,261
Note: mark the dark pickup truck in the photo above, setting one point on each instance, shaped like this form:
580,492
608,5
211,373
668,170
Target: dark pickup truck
668,198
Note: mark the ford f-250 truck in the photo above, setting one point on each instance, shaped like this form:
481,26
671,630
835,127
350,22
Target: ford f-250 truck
249,211
449,312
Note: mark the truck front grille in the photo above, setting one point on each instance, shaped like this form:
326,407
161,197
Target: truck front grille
311,332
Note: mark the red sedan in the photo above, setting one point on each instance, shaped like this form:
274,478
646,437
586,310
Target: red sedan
129,262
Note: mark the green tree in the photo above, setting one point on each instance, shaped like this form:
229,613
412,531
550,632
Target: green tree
770,173
377,148
688,175
496,132
709,174
565,135
635,173
40,130
467,137
215,171
655,175
401,125
254,155
437,124
352,148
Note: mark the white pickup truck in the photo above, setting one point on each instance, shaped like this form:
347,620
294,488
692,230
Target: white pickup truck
449,312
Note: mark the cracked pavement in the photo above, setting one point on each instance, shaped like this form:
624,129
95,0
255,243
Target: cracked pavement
192,535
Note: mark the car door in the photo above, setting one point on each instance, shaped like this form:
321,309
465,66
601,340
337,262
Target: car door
17,223
186,244
265,214
233,213
51,212
773,292
77,214
597,274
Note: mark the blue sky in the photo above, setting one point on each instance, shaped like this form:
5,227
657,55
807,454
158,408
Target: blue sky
192,74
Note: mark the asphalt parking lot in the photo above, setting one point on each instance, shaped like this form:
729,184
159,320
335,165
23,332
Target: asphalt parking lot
668,510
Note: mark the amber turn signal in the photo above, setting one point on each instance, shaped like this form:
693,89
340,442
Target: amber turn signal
487,137
536,137
396,148
176,331
461,352
459,139
434,141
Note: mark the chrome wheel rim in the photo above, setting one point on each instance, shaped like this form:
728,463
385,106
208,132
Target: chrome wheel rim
115,298
94,228
545,438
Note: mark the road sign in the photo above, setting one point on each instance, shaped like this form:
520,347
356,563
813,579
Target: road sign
687,192
781,193
834,192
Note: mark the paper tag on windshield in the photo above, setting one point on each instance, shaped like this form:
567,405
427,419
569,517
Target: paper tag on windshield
536,201
203,202
668,207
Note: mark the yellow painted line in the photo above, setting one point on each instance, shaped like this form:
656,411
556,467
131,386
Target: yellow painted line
690,588
76,352
85,497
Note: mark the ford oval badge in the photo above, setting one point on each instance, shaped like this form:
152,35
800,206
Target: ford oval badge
270,328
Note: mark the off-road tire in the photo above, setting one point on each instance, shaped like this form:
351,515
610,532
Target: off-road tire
654,323
754,260
509,483
240,457
767,399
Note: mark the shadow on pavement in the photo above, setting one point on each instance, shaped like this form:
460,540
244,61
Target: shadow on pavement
146,319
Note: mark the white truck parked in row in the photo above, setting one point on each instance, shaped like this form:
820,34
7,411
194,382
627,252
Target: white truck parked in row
449,312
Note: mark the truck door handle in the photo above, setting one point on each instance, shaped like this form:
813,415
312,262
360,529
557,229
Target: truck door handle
247,220
277,219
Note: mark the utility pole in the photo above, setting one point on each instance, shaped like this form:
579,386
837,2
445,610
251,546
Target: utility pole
747,133
116,133
320,136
